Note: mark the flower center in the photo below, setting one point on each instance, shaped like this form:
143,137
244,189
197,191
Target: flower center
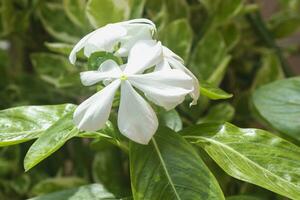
123,77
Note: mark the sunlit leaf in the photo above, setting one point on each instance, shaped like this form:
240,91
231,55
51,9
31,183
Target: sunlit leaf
51,140
213,92
251,155
169,168
25,123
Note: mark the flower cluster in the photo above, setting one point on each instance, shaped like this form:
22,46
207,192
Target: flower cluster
151,68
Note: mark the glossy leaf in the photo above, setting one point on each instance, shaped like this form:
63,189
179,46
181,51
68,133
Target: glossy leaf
51,140
25,123
279,104
87,192
178,36
243,197
251,155
103,12
169,168
212,92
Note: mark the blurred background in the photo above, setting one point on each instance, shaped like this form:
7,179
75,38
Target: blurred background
237,45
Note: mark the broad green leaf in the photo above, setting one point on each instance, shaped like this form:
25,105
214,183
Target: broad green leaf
170,119
59,26
103,12
87,192
203,64
97,58
55,184
75,10
212,92
178,36
169,168
221,112
51,140
269,71
251,155
279,104
25,123
176,9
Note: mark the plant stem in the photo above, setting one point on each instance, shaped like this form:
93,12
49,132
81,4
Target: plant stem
260,27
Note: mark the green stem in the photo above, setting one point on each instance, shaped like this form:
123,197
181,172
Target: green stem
260,27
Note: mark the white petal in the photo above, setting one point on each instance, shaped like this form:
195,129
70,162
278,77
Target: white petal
166,88
140,21
196,91
164,65
108,70
143,55
135,33
104,39
78,47
136,119
170,54
92,114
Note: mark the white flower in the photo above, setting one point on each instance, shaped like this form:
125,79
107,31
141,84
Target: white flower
171,60
116,38
136,119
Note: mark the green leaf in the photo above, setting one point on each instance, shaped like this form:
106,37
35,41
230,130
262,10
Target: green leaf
87,192
55,184
227,9
170,119
25,123
221,112
202,63
169,168
285,23
75,10
279,104
62,48
212,92
55,69
51,140
217,76
269,71
103,12
251,155
178,36
232,35
97,58
59,26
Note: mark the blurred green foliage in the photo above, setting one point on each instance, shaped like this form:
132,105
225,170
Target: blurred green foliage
226,44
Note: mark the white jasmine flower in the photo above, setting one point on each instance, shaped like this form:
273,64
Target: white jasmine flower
136,118
116,38
171,60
